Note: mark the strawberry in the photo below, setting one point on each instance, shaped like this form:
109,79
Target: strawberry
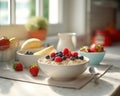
4,43
96,48
34,70
18,66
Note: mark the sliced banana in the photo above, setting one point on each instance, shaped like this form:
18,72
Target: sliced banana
31,43
45,51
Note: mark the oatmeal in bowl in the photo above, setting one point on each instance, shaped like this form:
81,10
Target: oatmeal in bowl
63,65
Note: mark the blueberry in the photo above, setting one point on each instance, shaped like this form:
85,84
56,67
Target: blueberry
81,57
76,57
72,58
47,57
63,58
29,53
59,54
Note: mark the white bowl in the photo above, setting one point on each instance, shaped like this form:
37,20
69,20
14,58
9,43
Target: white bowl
63,72
7,55
27,60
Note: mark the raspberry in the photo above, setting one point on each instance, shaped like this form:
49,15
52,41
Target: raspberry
58,59
75,54
52,54
68,55
66,51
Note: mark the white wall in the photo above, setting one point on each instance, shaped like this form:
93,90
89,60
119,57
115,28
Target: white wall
77,16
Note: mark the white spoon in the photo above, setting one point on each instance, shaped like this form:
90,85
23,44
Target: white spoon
95,72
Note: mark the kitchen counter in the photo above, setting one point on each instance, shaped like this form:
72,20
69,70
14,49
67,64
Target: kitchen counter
107,84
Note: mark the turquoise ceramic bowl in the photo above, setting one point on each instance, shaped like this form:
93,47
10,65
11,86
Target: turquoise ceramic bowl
94,57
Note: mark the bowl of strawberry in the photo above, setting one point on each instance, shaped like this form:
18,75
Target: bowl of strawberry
63,65
95,53
8,48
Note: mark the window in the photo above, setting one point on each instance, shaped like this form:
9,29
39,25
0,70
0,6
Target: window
4,12
18,11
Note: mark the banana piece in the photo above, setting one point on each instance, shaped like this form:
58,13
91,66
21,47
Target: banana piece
31,43
14,42
45,51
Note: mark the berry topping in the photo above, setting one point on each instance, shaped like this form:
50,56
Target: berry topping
47,57
59,54
75,54
58,59
68,55
63,55
66,51
72,58
29,53
52,54
63,58
81,57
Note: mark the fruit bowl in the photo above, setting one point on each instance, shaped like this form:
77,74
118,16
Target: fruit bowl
27,59
8,48
94,57
63,72
95,53
30,56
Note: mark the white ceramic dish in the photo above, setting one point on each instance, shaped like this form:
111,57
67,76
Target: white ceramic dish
27,60
7,55
63,72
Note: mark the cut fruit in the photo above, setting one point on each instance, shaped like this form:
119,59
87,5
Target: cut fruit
45,51
31,43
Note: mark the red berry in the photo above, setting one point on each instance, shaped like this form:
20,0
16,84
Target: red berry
4,43
68,55
52,54
34,69
58,59
88,50
18,66
75,54
66,51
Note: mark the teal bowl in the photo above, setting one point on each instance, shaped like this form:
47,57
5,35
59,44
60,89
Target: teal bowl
94,57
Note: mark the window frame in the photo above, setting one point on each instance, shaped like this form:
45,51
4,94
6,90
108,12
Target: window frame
53,28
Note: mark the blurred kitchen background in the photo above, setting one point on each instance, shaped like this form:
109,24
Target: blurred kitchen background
92,20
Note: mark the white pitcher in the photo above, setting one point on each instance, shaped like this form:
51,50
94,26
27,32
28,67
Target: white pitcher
66,40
